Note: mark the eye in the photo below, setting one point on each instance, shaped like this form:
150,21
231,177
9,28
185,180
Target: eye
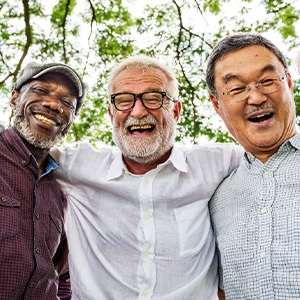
237,90
67,103
123,101
152,97
268,82
39,90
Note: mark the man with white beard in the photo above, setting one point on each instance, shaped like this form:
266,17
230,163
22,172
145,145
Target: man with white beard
33,261
138,224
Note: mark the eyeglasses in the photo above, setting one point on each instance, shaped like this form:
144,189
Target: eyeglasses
267,86
150,100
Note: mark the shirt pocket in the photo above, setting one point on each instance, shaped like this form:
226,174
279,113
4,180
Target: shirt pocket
10,216
53,234
194,226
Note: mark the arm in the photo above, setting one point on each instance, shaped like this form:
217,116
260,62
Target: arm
60,262
221,294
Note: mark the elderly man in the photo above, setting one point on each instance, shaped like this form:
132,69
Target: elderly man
256,210
33,261
138,225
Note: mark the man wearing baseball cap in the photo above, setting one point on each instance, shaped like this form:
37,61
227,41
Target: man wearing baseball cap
33,245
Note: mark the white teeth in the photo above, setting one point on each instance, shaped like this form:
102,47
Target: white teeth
138,127
45,120
260,116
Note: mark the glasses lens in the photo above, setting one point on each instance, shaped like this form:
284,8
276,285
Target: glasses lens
270,86
124,101
266,87
152,100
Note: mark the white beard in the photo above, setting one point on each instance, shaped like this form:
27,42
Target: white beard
148,149
23,127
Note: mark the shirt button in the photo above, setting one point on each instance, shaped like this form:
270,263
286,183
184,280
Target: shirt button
37,250
31,284
146,254
23,162
3,199
37,216
145,293
263,210
263,254
146,218
146,181
265,174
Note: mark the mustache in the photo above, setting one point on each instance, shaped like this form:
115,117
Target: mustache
258,108
130,121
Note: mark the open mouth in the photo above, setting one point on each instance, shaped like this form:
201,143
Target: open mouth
45,120
261,118
140,128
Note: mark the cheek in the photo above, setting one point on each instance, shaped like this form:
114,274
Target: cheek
232,115
163,117
227,112
20,109
118,118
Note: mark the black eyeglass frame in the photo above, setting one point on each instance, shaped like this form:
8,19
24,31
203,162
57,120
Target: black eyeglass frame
140,96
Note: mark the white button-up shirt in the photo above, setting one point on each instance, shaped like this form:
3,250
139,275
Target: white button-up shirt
142,236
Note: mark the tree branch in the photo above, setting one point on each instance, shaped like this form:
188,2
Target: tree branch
27,45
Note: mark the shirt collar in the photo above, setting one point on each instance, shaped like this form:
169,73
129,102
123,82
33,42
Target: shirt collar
21,151
176,158
293,142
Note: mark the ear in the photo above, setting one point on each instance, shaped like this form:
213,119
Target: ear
110,113
14,99
215,103
177,110
290,82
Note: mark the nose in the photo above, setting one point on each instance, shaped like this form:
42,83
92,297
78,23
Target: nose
139,110
53,103
255,96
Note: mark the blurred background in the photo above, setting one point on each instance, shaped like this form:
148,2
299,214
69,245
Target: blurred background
91,36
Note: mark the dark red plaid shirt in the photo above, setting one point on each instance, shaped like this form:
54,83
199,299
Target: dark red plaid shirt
33,245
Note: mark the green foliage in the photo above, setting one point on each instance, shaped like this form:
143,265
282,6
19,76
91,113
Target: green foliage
297,100
92,36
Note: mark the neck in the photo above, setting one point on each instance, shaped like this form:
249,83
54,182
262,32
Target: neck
263,156
40,156
138,168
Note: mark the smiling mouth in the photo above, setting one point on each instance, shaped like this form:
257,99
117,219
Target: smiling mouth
261,118
45,120
140,128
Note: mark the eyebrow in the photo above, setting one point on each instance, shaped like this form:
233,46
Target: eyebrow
229,77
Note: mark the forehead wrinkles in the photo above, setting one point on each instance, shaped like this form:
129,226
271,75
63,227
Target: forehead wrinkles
245,63
128,79
268,68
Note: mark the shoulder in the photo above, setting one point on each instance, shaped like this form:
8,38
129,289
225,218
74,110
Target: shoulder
213,150
82,151
82,154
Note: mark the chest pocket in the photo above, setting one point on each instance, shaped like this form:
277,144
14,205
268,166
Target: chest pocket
10,216
53,233
194,226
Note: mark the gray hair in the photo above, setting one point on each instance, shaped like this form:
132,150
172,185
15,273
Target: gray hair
144,62
233,43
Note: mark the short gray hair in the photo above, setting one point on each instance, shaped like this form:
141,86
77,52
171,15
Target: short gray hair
144,62
233,43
